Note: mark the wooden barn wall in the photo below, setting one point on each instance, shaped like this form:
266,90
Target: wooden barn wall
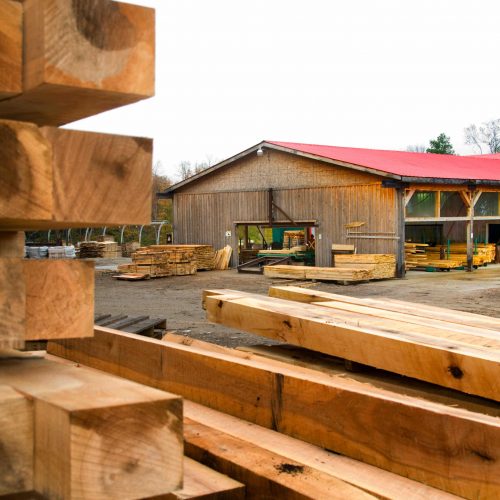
276,170
206,217
457,232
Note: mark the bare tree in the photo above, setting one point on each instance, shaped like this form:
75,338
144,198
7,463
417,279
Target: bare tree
416,148
160,183
184,170
487,135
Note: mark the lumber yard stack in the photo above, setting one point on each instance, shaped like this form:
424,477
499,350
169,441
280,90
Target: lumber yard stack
204,255
66,431
453,256
99,249
415,415
159,263
348,269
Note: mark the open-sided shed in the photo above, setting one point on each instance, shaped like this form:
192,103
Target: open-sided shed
396,195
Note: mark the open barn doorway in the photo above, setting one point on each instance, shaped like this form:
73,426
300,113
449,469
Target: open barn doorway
258,241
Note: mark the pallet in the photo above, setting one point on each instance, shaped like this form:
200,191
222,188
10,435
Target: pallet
141,325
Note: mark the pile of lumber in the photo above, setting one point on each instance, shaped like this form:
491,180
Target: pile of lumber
99,249
421,255
204,255
129,248
156,262
66,431
222,258
380,266
405,397
348,268
293,238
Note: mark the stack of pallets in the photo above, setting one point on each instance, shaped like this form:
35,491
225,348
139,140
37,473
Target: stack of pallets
66,431
404,395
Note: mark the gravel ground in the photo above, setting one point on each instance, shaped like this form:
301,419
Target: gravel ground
179,298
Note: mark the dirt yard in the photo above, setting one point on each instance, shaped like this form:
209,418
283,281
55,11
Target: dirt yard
179,298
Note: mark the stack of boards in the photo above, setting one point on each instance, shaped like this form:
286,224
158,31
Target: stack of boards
222,258
415,416
348,268
204,255
153,262
422,256
99,250
67,431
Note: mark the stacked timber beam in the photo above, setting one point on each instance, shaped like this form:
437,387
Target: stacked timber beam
254,416
204,255
421,255
348,269
154,262
99,249
67,432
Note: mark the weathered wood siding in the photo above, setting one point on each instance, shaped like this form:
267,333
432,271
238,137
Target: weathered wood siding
205,217
276,170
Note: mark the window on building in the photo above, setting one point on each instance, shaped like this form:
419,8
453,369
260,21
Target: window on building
422,204
487,204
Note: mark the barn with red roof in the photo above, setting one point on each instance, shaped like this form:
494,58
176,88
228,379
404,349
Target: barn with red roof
373,199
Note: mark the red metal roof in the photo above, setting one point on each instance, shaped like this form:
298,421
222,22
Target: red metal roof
405,164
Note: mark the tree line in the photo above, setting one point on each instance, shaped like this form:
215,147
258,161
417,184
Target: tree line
484,138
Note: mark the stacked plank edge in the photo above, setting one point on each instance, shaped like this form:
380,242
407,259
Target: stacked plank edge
66,431
348,268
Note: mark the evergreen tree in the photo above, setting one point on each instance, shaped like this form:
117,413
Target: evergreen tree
441,145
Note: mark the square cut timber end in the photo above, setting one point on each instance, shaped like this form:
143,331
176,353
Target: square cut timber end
82,58
11,52
54,178
59,299
98,436
16,442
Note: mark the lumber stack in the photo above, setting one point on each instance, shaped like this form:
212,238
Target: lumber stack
99,250
318,273
204,255
67,432
129,248
381,266
157,262
267,422
293,238
222,258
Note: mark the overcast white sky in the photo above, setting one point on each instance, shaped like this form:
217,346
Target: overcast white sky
380,74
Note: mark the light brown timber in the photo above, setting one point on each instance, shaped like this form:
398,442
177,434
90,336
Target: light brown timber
57,178
265,474
11,45
82,58
16,442
12,244
414,309
204,483
98,436
458,361
371,479
59,298
453,446
12,303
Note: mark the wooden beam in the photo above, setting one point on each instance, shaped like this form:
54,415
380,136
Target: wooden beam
457,449
98,436
204,483
57,178
371,479
401,228
409,309
466,363
264,473
82,58
59,298
12,244
11,44
466,198
12,303
408,195
16,442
